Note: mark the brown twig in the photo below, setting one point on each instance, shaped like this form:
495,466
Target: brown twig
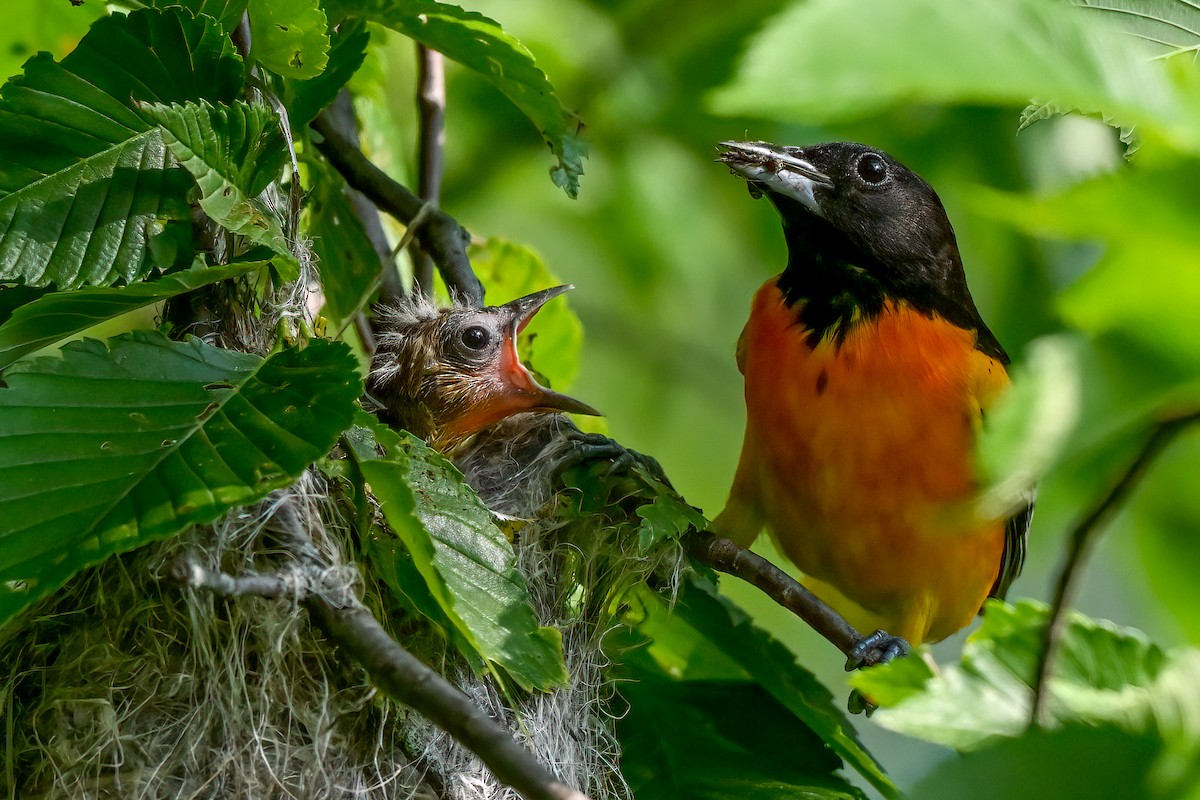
431,108
440,235
723,555
1082,538
405,679
401,676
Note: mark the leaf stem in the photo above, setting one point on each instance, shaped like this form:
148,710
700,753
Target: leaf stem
440,235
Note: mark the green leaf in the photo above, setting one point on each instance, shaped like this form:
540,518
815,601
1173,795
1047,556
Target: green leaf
1102,674
122,442
85,181
479,43
290,37
552,342
809,66
1073,763
1168,27
714,740
234,152
55,316
667,516
466,562
764,660
1024,434
347,52
348,262
226,12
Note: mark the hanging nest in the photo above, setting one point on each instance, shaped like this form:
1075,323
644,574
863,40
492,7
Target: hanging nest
139,681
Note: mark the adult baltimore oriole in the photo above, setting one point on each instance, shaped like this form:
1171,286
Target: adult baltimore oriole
867,373
445,374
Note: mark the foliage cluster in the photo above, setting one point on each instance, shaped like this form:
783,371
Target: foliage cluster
1085,244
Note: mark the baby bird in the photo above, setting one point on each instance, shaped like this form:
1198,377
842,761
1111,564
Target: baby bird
446,374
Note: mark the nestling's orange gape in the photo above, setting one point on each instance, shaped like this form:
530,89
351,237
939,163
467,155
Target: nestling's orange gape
861,452
868,370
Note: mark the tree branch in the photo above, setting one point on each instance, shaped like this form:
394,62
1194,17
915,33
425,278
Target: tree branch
404,678
401,676
225,585
431,107
440,234
723,555
1082,538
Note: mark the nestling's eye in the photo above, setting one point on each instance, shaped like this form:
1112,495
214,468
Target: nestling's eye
475,337
872,169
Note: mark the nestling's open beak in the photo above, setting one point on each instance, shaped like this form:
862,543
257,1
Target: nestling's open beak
772,168
532,394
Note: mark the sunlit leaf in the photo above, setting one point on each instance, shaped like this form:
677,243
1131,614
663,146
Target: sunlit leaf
466,562
57,315
85,181
1169,27
290,37
1103,673
809,65
348,49
233,152
122,442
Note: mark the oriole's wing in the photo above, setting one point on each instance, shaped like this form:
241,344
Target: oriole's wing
1016,531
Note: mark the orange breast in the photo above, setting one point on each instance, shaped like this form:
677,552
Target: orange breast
858,458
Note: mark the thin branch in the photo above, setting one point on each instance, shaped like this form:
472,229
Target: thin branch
404,678
723,555
401,676
431,107
440,235
226,585
1082,538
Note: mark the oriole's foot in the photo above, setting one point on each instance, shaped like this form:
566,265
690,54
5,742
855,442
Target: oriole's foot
878,648
588,447
858,703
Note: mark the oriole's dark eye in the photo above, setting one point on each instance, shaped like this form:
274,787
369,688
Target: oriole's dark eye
872,169
475,337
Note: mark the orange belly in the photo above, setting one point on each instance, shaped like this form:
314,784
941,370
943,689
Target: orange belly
858,458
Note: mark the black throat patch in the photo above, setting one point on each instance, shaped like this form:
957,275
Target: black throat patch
835,285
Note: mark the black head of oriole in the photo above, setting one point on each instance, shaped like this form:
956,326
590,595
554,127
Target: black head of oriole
447,373
867,373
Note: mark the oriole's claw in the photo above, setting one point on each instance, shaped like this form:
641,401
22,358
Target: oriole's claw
588,447
878,648
858,703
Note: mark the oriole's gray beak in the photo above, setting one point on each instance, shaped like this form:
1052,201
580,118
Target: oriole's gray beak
774,168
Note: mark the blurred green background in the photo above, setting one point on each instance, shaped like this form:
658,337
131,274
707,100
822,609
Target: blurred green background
1060,234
